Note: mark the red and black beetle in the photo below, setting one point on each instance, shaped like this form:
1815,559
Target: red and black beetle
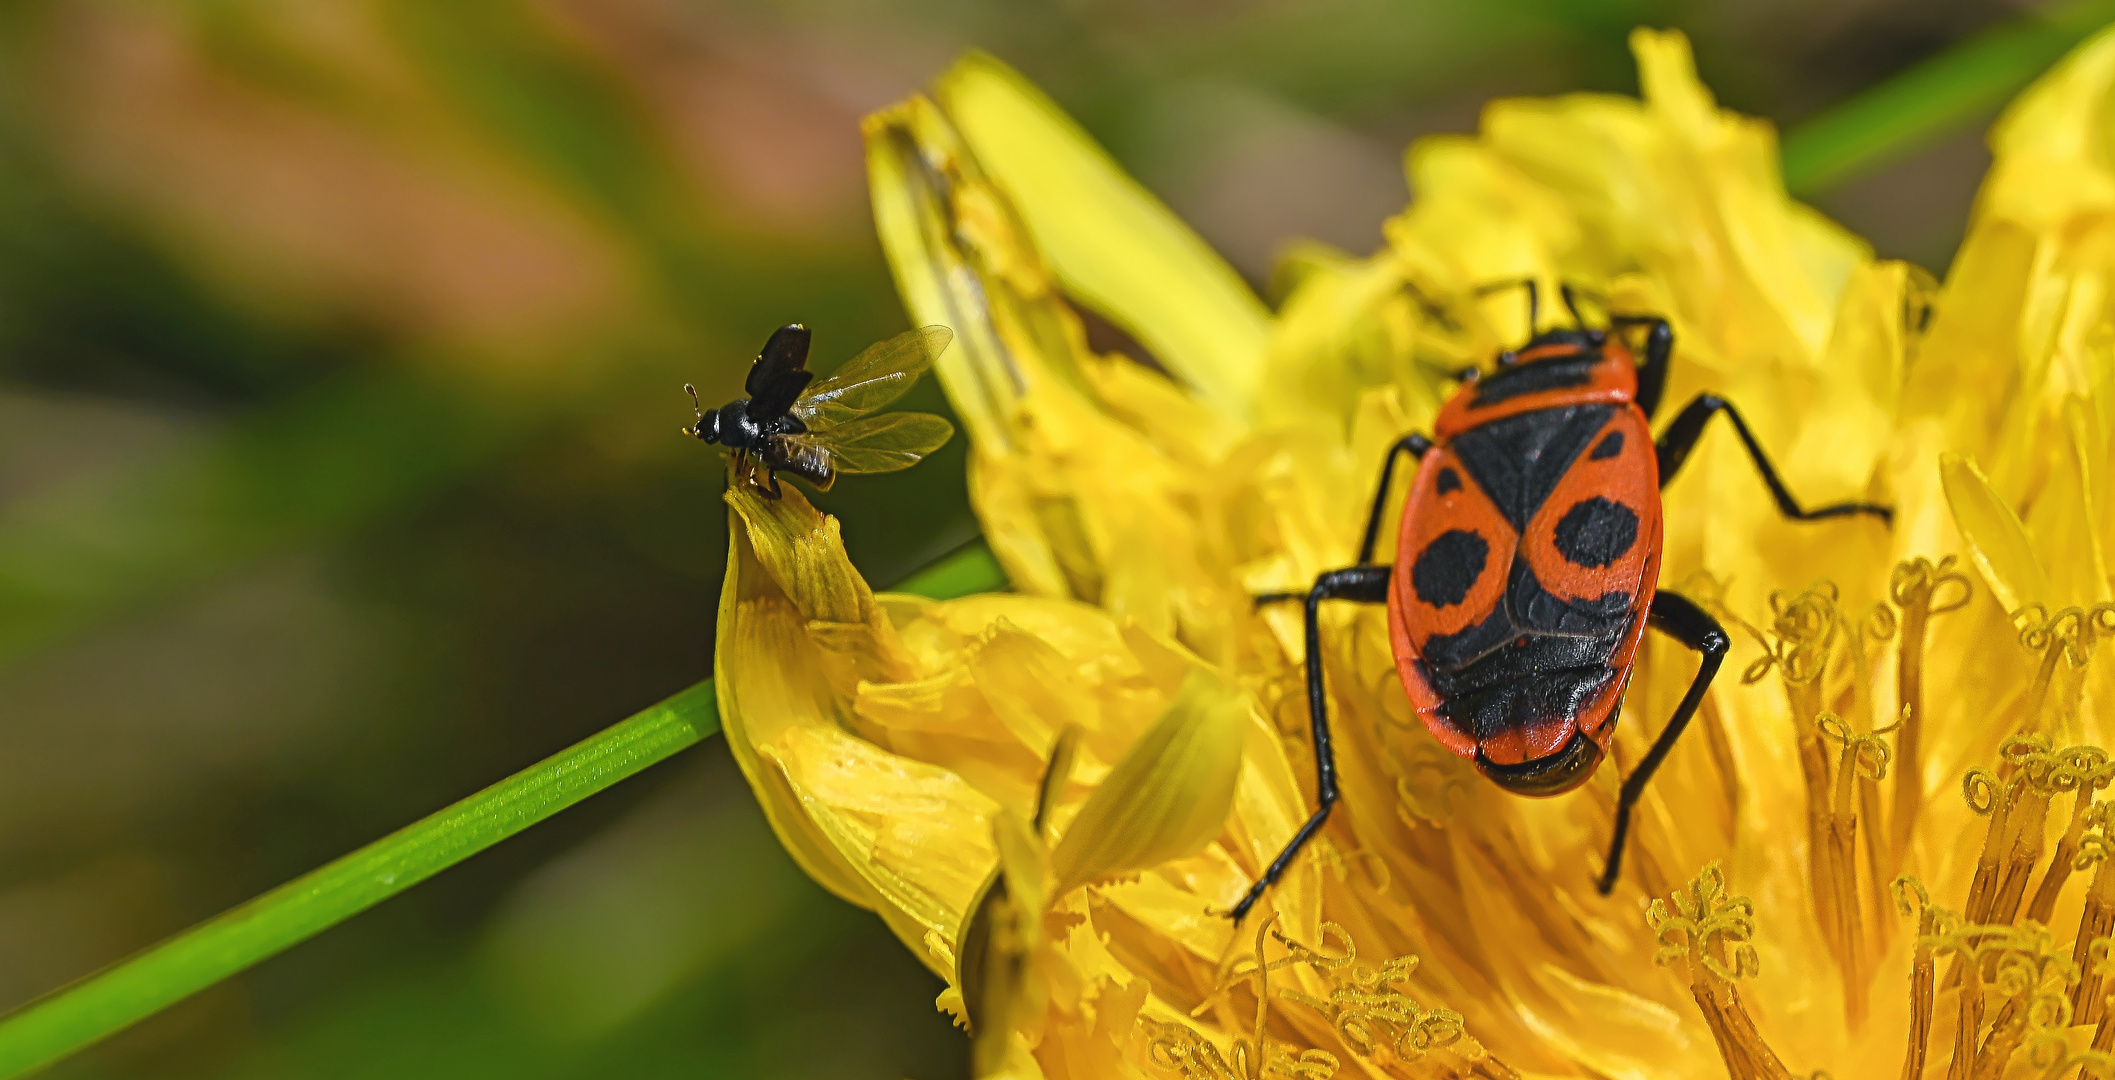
1527,566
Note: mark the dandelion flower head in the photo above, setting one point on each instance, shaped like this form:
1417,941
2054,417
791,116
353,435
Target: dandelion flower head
1879,850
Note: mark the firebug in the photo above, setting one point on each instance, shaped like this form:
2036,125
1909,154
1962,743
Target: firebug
1527,566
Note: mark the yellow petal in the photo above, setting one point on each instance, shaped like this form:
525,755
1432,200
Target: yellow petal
917,835
1996,539
1115,246
798,632
1168,797
1017,373
908,153
2051,145
1031,687
1000,943
2061,523
770,679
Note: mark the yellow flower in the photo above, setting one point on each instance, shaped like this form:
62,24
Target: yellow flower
1052,796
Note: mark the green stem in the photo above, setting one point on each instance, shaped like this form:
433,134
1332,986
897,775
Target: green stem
1910,110
119,996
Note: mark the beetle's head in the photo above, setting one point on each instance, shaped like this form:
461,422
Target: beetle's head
1557,343
1556,774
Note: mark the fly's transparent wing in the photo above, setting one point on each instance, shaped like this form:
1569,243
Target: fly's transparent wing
886,443
873,378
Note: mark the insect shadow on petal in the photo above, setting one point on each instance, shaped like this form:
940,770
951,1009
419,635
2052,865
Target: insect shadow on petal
818,430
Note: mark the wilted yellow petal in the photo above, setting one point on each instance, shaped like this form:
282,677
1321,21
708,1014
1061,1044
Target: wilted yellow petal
1115,246
911,189
1001,990
1996,539
1064,477
1169,795
771,678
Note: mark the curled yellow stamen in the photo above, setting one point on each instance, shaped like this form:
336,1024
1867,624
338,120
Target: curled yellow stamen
1865,756
2097,919
1367,1007
2084,771
1915,587
2068,634
1712,932
1923,980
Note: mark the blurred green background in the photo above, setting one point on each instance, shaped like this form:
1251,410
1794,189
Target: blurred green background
340,353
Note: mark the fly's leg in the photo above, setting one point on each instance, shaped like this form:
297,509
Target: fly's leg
746,468
1417,446
1688,426
1679,618
1365,585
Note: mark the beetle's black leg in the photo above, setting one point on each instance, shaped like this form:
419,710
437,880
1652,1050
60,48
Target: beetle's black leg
1679,618
1688,426
1366,585
1417,446
1659,346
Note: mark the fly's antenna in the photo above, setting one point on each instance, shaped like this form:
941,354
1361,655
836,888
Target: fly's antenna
697,409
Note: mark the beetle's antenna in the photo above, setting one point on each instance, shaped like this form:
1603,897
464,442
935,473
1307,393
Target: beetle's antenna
1533,298
1571,303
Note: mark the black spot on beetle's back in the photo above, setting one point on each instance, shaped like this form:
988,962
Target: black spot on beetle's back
1448,567
1449,481
1610,445
1596,532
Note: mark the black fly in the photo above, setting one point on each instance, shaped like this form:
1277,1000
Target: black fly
824,431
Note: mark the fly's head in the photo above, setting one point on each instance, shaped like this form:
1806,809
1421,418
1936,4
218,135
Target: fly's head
708,426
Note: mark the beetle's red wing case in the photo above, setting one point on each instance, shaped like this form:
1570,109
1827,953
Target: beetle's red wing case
1595,530
1599,532
1453,552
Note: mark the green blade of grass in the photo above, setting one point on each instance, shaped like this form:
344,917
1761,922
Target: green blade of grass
1935,97
116,998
